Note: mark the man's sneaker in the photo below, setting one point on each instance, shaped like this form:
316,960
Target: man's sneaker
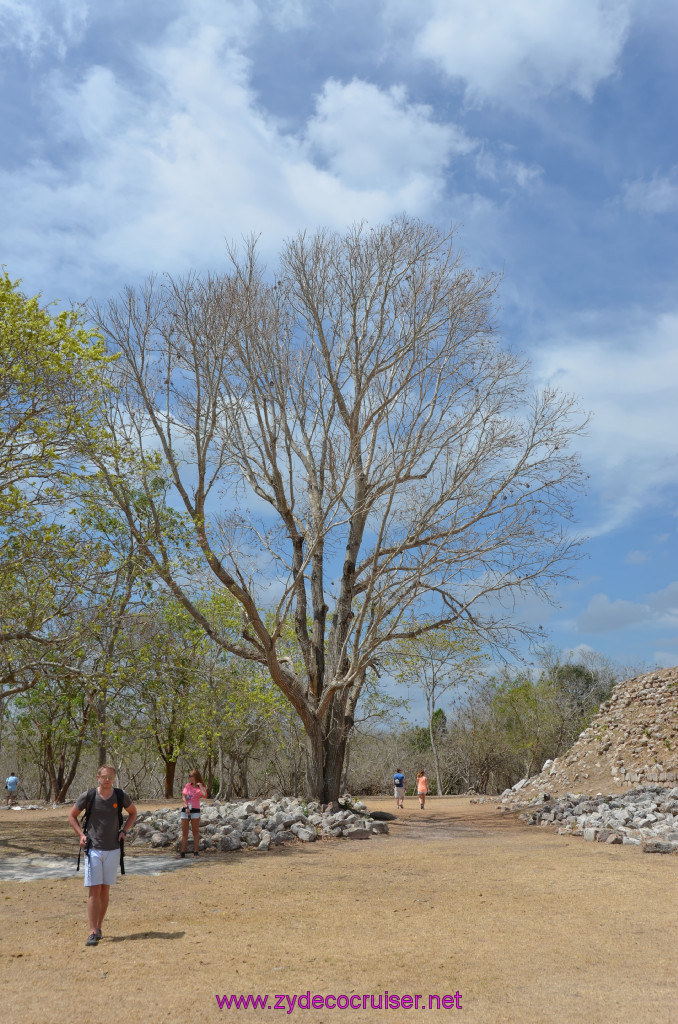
93,940
99,934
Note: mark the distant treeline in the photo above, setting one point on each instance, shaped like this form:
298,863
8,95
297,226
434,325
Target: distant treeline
246,743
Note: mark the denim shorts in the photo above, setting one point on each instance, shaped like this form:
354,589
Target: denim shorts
101,867
194,815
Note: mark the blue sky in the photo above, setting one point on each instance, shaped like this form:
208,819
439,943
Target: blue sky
138,137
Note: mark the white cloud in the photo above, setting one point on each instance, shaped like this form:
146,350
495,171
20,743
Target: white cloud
524,175
156,175
288,15
636,557
368,135
603,615
516,50
494,167
666,659
664,603
658,195
580,653
627,380
31,26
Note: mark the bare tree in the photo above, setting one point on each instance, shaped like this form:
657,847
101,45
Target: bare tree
352,450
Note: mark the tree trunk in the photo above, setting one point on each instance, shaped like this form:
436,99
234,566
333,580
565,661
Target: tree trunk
244,782
60,779
325,750
231,779
436,762
170,769
347,758
101,731
220,769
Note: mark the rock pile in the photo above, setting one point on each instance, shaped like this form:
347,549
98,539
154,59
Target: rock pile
260,824
632,740
646,817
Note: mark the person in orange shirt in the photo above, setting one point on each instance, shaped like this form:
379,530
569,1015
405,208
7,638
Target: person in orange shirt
422,788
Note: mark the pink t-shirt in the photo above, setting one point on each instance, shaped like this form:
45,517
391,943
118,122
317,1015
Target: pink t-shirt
191,795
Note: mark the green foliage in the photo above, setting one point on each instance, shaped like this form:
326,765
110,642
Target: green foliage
49,400
50,378
582,687
419,739
53,719
187,696
526,713
439,722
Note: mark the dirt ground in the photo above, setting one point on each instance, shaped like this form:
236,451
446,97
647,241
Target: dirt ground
527,926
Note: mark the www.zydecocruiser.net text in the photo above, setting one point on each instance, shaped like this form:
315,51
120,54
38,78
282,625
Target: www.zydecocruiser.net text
307,1001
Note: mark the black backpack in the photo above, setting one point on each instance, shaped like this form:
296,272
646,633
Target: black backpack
84,822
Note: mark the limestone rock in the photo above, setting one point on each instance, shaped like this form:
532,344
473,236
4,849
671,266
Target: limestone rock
261,825
655,846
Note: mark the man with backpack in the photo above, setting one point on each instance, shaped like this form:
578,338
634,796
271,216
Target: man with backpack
399,789
12,785
102,835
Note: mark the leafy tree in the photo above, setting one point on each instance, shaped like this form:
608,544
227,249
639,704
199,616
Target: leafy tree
361,398
53,718
48,391
187,696
159,672
531,719
48,400
43,582
236,713
583,688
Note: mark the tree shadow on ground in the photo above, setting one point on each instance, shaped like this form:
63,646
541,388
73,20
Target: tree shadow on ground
449,825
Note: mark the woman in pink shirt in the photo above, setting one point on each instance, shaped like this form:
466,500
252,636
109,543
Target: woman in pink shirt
192,791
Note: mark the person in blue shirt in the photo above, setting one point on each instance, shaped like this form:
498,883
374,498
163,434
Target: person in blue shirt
11,785
399,789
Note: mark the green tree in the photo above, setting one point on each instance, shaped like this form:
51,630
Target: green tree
53,719
51,367
50,388
235,714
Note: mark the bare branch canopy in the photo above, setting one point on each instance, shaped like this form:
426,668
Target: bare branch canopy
352,451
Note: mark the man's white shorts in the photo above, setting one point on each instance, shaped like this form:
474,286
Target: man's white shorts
101,867
399,792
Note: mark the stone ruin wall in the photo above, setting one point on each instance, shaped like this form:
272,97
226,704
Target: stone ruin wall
632,741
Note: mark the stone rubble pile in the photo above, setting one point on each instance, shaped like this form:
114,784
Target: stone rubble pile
633,739
259,824
646,817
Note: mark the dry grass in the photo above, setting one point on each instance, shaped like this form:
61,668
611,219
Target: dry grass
530,927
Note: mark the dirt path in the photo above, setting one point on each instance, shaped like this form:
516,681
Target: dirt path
529,927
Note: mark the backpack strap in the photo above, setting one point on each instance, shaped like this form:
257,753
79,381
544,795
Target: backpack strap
118,798
84,821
